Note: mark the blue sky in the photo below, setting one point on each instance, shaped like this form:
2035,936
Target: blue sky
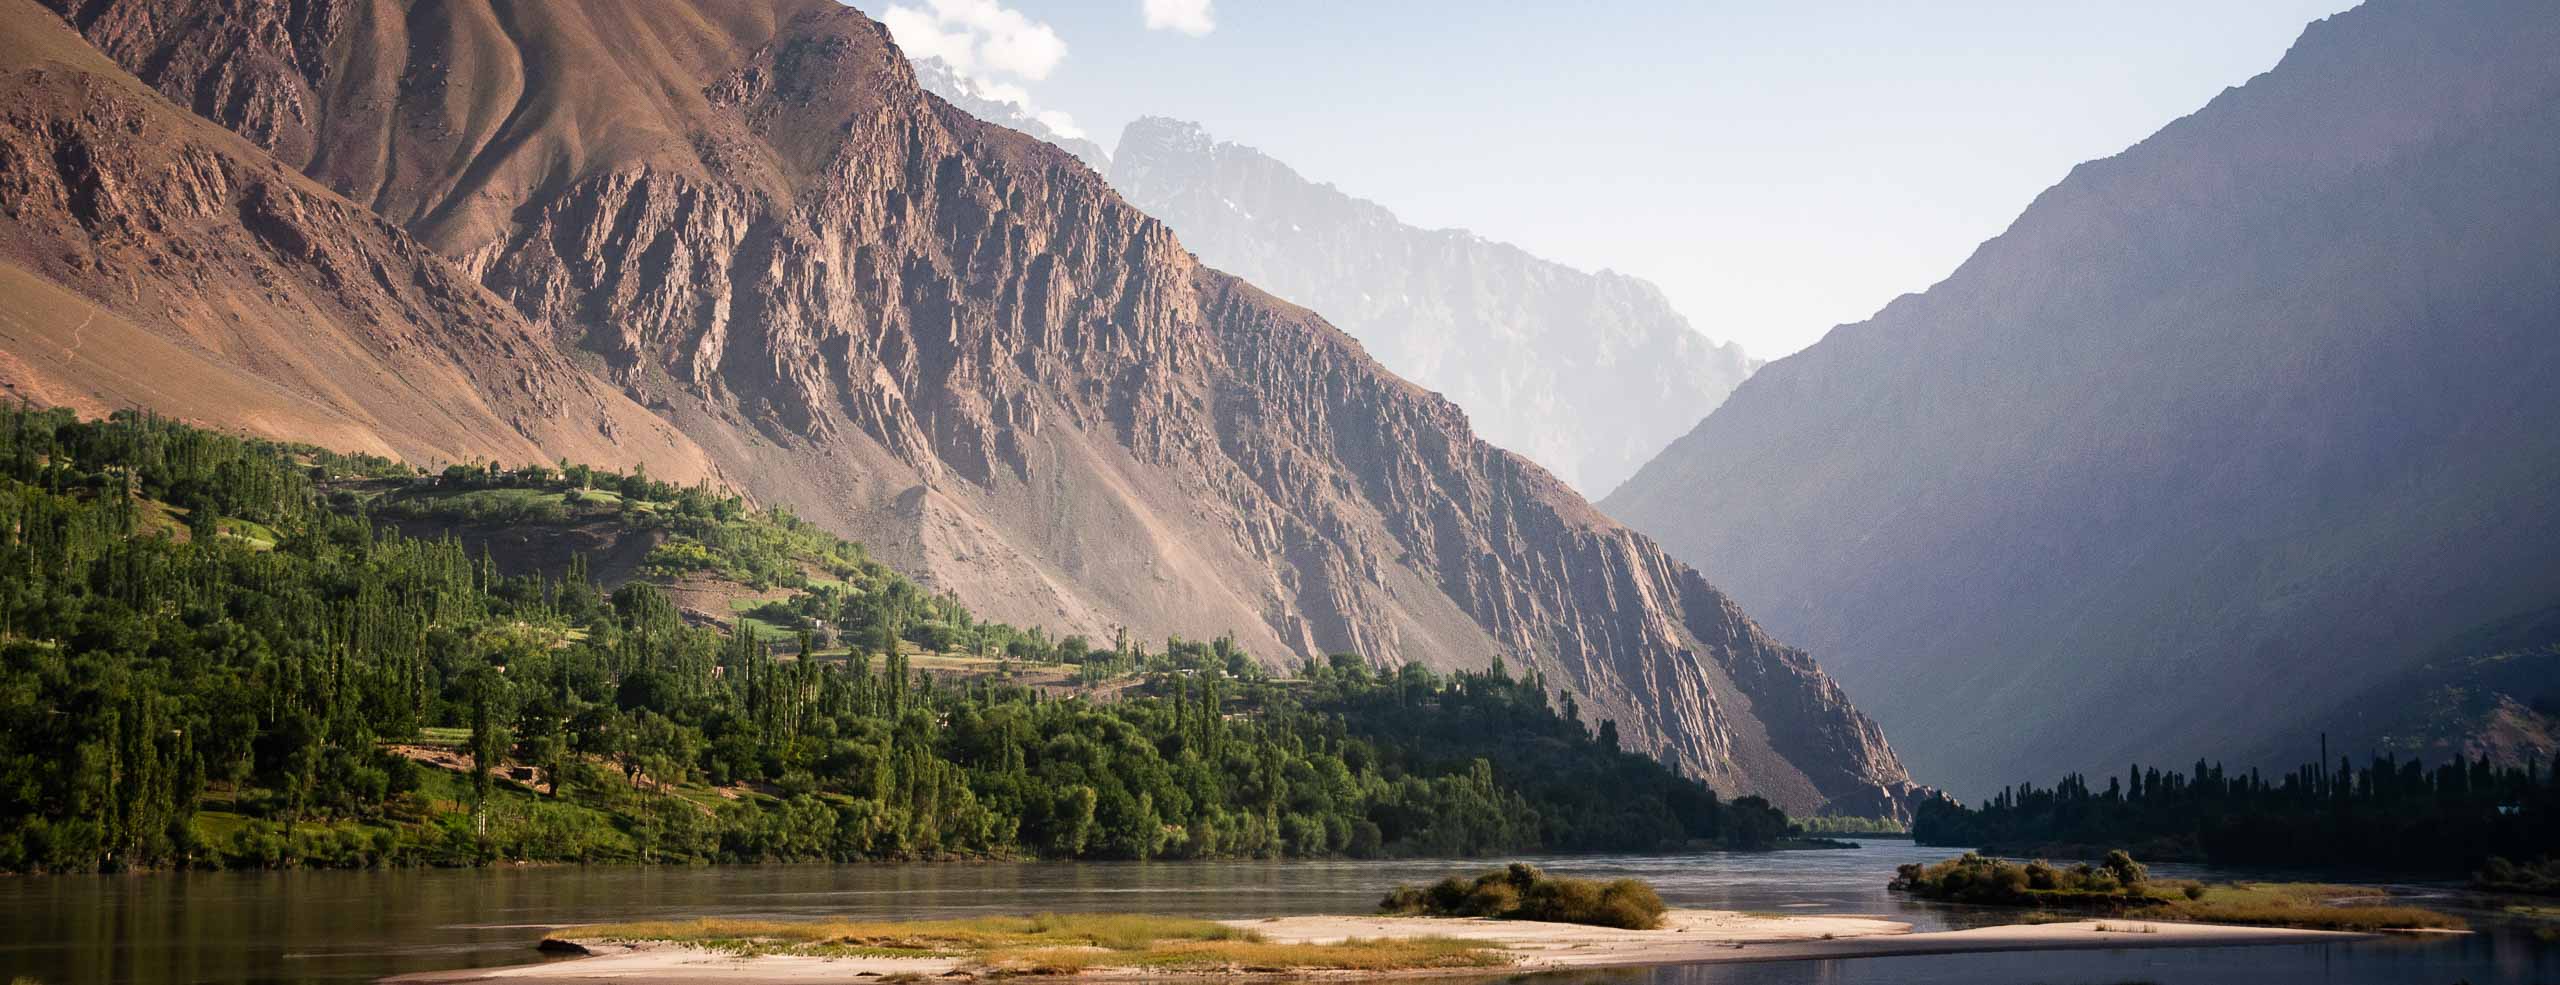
1779,168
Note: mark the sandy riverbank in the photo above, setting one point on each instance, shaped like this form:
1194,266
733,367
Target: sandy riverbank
1712,936
1686,937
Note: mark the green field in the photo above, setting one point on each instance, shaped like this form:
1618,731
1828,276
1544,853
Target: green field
258,536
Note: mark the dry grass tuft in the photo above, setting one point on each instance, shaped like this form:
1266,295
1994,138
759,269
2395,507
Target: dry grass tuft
1356,954
923,938
2312,906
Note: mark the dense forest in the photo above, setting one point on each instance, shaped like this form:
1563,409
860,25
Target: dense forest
2389,814
217,651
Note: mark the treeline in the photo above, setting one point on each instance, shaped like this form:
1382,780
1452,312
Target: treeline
1587,793
1844,825
2389,814
212,653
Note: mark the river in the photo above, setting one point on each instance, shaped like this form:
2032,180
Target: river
312,927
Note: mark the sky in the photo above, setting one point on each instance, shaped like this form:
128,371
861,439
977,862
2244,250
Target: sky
1778,168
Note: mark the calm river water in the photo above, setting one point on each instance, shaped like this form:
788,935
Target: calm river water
307,927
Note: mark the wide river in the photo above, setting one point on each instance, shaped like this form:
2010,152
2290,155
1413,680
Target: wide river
302,927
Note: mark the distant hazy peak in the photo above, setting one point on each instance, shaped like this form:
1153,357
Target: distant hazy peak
1168,135
1588,374
1150,141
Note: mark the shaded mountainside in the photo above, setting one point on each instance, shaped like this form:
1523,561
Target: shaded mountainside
2490,693
951,341
2220,430
1587,374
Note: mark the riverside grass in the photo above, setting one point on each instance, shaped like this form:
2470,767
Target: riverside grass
1056,944
2309,906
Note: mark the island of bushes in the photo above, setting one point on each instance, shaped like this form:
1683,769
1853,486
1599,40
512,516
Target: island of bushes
1521,892
2120,886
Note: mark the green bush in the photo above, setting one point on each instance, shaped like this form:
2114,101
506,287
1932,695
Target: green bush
1521,892
1490,899
1974,878
2499,875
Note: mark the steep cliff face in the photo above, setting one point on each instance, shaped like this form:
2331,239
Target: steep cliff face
2220,430
1587,374
959,344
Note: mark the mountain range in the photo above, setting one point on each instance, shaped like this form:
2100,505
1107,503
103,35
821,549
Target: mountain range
738,242
2221,431
1588,374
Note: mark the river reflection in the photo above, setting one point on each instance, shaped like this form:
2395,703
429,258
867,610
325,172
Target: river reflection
302,927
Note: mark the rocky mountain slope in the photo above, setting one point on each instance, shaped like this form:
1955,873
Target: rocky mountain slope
935,334
1587,374
2492,692
2221,429
936,76
153,260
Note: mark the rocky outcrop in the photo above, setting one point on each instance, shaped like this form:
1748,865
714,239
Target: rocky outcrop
2221,430
960,345
1587,374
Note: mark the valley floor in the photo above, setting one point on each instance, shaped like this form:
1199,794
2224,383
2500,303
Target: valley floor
1686,937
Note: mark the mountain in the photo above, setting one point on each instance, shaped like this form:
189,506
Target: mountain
2492,693
845,295
155,260
2221,429
976,99
1587,374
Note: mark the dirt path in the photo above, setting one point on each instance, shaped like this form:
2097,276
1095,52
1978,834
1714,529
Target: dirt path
79,335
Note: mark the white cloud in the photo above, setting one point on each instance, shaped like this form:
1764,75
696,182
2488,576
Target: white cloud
1192,17
1059,123
922,36
990,50
977,37
998,92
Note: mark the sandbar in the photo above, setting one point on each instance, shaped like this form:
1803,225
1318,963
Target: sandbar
1686,937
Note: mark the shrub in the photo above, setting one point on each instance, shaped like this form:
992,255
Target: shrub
1490,899
2121,865
2503,876
1521,892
